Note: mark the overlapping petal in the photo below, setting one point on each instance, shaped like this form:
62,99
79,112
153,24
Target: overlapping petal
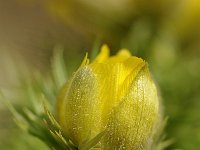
131,123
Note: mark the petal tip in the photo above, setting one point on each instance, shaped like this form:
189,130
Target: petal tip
85,61
104,54
124,52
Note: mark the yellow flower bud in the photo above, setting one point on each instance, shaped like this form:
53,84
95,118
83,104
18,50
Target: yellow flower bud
114,94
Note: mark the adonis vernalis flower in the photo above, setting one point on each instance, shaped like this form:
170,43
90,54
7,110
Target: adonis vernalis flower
113,94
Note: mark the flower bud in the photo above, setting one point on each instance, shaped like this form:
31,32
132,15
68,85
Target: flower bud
114,94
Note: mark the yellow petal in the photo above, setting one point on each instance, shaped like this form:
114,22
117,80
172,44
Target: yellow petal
103,55
114,80
131,123
121,56
80,117
124,52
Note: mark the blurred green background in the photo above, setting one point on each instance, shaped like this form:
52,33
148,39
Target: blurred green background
166,33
